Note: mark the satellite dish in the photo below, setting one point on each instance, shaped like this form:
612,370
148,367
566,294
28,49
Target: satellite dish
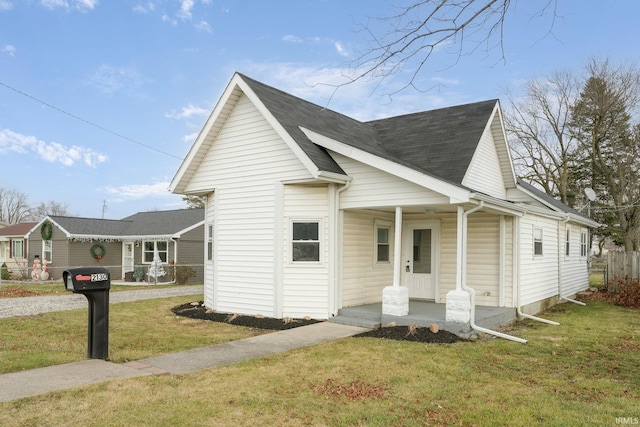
591,195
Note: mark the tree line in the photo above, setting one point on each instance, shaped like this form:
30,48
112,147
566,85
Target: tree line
15,207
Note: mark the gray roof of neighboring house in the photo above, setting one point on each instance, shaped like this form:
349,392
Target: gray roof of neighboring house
153,223
440,142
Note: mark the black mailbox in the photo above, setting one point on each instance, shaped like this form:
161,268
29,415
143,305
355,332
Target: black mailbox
94,283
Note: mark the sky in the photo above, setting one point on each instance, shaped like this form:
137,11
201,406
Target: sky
100,100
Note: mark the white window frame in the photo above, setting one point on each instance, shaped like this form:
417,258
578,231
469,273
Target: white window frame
13,246
567,241
210,242
377,225
584,243
539,241
292,242
155,247
46,250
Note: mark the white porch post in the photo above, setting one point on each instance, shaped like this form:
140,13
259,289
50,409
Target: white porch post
395,298
458,302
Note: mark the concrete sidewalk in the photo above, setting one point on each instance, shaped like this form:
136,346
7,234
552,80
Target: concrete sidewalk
17,385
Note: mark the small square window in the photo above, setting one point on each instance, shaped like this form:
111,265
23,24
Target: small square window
305,242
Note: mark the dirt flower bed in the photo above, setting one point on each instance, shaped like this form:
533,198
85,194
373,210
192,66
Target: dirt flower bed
197,310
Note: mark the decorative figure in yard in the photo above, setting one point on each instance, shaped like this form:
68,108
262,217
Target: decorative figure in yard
156,269
45,270
35,270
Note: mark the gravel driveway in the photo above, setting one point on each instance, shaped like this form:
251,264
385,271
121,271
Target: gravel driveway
28,306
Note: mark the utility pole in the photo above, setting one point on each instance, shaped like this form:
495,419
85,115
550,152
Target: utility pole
104,208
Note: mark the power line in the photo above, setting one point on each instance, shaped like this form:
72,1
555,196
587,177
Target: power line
89,122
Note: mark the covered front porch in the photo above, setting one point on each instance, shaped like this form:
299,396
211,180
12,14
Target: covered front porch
423,314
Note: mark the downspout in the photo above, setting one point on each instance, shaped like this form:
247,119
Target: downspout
472,292
337,252
518,311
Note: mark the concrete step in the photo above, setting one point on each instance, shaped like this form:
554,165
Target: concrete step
353,321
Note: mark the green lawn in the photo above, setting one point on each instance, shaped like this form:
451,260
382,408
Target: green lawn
583,372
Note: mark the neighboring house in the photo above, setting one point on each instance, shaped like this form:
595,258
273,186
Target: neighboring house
309,211
14,247
120,245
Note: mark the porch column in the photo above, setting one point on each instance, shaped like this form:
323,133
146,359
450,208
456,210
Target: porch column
458,302
395,298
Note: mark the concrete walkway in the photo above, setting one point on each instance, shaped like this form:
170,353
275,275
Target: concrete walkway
17,385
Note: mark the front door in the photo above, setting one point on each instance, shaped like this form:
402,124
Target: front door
127,257
419,257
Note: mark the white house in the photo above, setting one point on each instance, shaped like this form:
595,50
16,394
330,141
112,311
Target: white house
309,211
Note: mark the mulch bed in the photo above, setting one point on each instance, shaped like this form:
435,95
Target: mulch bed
197,310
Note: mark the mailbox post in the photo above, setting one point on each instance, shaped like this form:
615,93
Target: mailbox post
94,283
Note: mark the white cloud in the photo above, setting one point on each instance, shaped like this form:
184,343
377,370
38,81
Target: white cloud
364,99
190,138
340,49
111,79
5,5
81,5
10,49
137,191
185,9
146,7
292,39
49,151
203,26
187,112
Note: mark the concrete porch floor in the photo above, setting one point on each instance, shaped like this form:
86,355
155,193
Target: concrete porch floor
421,313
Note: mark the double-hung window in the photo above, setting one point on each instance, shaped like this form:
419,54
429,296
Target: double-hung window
305,241
210,242
567,242
382,244
17,249
537,241
47,250
584,239
150,247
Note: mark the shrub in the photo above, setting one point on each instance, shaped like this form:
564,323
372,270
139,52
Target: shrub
5,272
183,273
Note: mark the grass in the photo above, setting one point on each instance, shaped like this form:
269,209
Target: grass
136,330
57,288
583,372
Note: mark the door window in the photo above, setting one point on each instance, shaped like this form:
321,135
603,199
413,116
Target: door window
422,251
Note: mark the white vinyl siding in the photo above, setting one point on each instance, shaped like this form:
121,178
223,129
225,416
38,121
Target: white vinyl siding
305,288
574,274
363,280
371,187
538,273
483,257
243,165
485,173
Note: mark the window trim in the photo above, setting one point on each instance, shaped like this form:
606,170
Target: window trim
12,248
155,247
539,241
381,224
209,246
319,223
584,243
44,250
567,241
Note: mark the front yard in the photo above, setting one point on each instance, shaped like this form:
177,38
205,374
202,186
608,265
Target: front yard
583,372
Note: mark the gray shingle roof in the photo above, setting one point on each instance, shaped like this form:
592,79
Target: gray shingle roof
153,223
548,199
440,142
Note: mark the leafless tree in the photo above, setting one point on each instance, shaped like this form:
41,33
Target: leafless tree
14,206
51,207
538,127
412,35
